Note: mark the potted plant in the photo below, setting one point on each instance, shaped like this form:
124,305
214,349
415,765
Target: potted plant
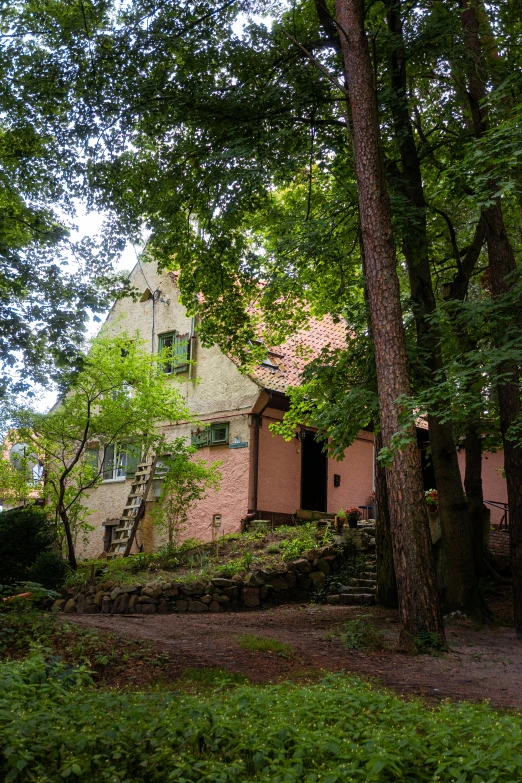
340,519
432,499
353,515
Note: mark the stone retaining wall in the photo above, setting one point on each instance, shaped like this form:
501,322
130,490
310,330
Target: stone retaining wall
293,582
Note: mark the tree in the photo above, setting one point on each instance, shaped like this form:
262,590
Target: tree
186,479
502,278
418,599
50,284
106,419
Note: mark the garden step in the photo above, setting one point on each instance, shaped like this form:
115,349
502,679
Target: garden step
361,582
356,599
351,590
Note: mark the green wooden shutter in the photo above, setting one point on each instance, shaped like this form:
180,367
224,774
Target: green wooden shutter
180,352
133,451
108,461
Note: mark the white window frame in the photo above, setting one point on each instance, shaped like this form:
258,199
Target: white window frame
118,469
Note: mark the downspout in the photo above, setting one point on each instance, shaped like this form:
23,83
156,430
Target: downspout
257,423
192,344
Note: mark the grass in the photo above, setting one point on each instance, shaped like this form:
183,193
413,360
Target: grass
264,644
212,677
54,726
227,556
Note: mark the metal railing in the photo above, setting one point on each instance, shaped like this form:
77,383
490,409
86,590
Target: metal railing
504,519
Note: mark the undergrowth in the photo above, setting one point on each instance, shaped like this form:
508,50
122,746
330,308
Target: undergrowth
229,555
54,726
251,642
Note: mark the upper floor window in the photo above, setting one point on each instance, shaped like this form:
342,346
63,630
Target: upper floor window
176,348
120,460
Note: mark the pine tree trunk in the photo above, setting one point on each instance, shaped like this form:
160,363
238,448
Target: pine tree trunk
418,599
386,582
459,583
501,266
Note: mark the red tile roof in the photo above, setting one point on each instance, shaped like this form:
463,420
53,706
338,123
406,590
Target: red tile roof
292,357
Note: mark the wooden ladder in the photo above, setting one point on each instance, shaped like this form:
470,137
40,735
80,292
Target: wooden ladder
134,510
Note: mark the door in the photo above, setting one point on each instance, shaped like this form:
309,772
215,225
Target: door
313,474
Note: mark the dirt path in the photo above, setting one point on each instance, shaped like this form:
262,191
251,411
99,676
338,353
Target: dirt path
482,664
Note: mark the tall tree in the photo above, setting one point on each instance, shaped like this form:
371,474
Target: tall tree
458,578
502,267
418,599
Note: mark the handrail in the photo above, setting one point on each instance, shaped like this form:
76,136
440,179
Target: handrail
504,519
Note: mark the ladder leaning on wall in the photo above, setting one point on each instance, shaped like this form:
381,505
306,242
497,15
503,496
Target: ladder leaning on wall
125,531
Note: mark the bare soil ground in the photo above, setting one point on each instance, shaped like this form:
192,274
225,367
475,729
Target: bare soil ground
482,663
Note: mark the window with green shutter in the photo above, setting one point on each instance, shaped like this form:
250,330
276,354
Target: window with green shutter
176,347
133,452
91,458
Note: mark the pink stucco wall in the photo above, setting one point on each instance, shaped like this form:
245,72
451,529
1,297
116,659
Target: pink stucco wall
493,484
279,487
230,500
356,472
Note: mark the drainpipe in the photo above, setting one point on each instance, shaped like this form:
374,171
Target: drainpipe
192,344
257,423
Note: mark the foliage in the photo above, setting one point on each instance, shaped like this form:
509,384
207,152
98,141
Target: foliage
252,642
107,657
25,534
114,403
186,479
427,642
353,514
16,483
301,538
432,498
341,729
360,633
49,569
50,283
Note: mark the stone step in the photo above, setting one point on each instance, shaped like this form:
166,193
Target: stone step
368,575
351,590
361,582
356,599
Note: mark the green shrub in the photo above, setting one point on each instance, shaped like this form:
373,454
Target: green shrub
49,569
360,633
340,730
24,533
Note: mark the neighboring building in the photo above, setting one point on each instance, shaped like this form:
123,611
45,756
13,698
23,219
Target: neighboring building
263,474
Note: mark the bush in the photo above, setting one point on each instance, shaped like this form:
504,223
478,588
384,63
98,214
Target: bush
24,533
49,569
339,730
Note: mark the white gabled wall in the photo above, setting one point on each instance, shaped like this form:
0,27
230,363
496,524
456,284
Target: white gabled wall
216,392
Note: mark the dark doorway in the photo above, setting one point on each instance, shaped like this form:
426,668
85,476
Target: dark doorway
313,474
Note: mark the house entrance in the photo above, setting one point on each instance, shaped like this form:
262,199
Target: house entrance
313,474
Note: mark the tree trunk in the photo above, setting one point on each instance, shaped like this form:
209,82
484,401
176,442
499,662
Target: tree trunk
459,584
501,266
473,486
68,537
418,599
386,582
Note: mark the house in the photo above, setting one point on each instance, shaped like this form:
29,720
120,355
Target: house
263,475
